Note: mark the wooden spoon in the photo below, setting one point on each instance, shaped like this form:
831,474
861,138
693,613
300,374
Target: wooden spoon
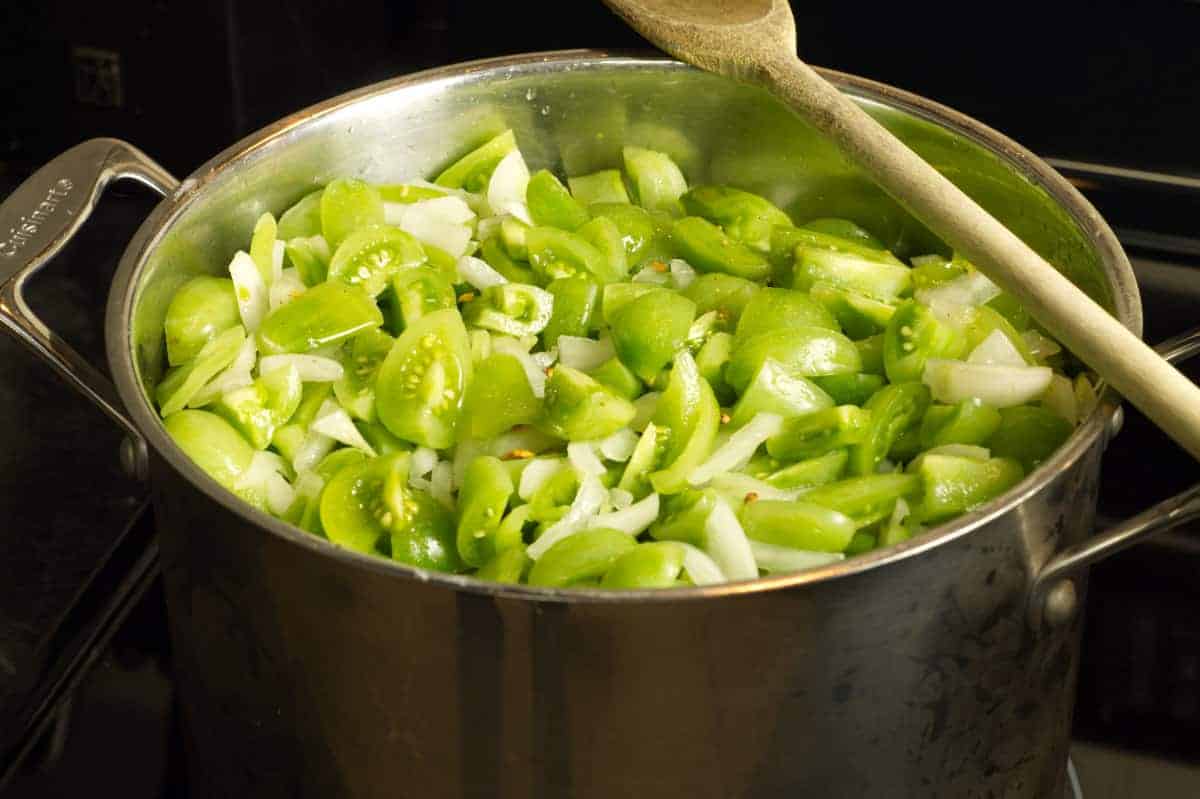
755,41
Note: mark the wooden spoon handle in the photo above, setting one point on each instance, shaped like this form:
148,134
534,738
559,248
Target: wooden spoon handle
1167,397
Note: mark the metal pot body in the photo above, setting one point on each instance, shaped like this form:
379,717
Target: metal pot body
305,670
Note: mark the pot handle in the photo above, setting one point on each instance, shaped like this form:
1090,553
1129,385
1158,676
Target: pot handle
1053,596
41,216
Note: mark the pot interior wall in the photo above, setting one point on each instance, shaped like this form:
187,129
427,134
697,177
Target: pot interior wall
572,113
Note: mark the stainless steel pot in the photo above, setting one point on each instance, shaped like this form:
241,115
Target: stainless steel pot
944,667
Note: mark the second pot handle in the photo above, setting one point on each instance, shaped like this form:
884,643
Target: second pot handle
1053,598
41,216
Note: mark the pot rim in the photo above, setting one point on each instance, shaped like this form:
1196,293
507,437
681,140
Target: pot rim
120,351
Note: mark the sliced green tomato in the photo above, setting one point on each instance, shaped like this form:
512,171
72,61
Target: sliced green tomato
407,193
514,309
493,252
420,386
551,204
615,296
181,384
772,309
707,248
805,351
325,314
894,410
858,315
422,530
725,294
576,300
415,293
870,350
212,444
369,257
361,360
262,247
968,422
587,555
934,270
201,309
555,253
619,378
473,171
346,206
684,516
484,496
648,331
605,186
913,336
1011,309
984,321
603,234
380,439
862,542
645,235
645,459
579,408
844,229
871,273
498,398
1029,434
337,460
819,432
353,512
259,409
853,389
656,179
303,219
955,485
291,435
746,217
799,525
686,420
866,499
550,501
512,238
776,390
655,564
310,255
507,566
711,360
811,472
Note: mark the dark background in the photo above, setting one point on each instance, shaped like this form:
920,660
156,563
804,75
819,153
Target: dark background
1110,82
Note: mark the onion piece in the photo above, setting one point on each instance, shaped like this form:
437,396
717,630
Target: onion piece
422,463
312,449
309,485
775,559
737,485
441,484
545,359
648,274
478,273
960,451
969,291
587,503
584,354
333,421
312,368
645,406
620,498
441,221
619,446
506,188
1085,396
1060,399
999,386
536,473
726,542
278,248
280,494
682,273
738,450
226,381
288,287
582,456
996,349
702,569
250,289
508,345
633,519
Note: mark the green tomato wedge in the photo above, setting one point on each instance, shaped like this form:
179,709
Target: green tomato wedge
495,255
684,516
711,360
799,525
514,309
775,390
423,530
866,499
201,309
473,171
655,564
605,186
580,408
725,294
605,236
984,321
555,253
325,314
968,422
686,421
803,350
210,441
657,180
648,331
576,300
311,257
507,566
858,315
337,460
954,485
259,409
420,386
619,378
415,293
844,229
870,350
587,555
361,359
290,436
262,247
934,270
1029,434
894,410
811,472
380,439
819,432
181,384
913,336
871,273
707,248
775,309
498,398
616,296
486,489
551,204
853,389
347,205
369,257
644,235
746,217
303,219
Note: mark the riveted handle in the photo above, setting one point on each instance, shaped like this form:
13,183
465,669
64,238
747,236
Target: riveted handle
37,220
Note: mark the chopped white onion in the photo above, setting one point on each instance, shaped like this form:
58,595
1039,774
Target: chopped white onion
441,483
587,503
702,569
738,449
312,368
423,461
633,519
735,485
620,498
648,274
288,287
996,349
582,455
775,559
309,484
726,542
489,227
1040,345
478,273
1060,399
278,248
441,221
645,406
971,451
536,473
506,188
682,273
619,446
546,358
536,376
583,353
223,383
250,289
969,291
448,208
999,386
312,449
419,483
257,476
481,344
280,493
333,421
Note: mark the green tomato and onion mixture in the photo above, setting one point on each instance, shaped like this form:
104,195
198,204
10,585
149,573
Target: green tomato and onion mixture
619,381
